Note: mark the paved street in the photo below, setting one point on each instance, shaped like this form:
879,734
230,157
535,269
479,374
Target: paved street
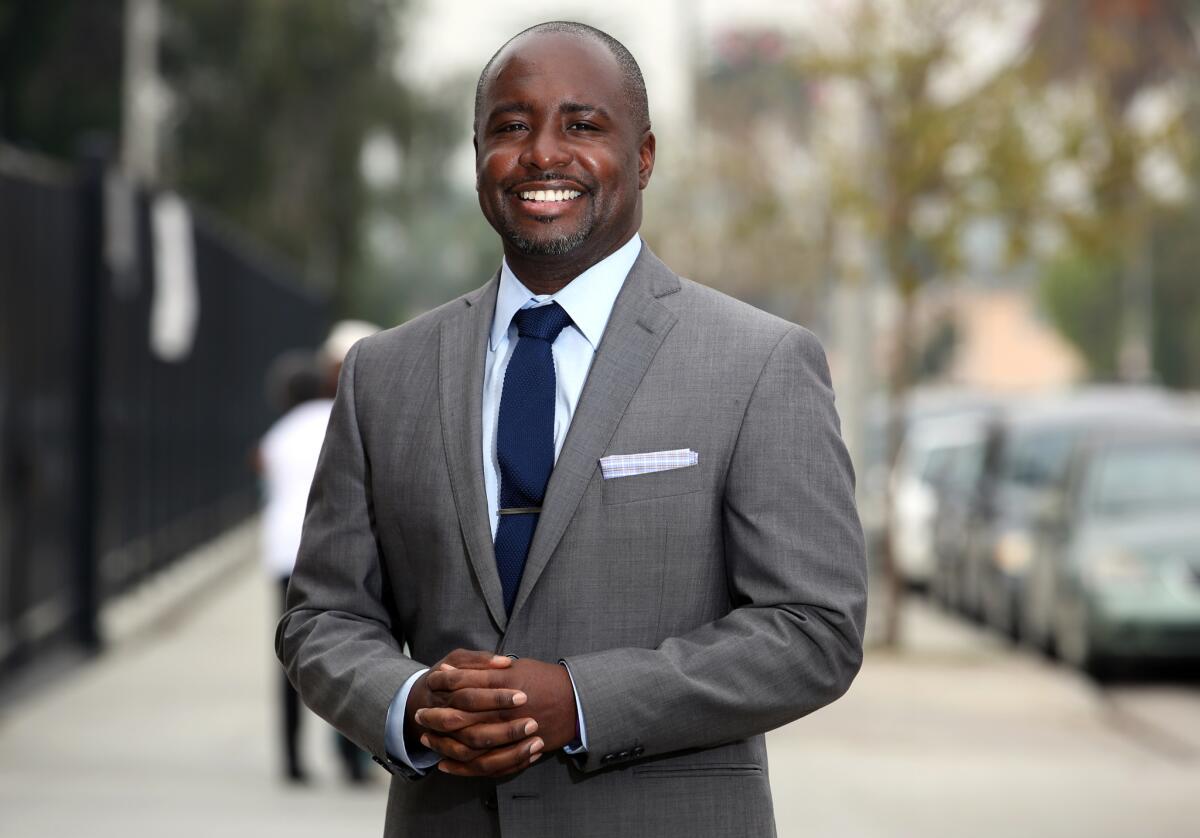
170,733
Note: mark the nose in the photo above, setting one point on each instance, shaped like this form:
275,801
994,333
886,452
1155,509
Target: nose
545,148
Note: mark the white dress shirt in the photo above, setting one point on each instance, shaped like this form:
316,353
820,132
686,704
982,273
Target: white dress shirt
589,300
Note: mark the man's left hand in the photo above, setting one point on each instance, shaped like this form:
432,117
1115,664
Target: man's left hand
551,703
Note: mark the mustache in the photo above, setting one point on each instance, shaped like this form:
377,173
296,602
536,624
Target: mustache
547,177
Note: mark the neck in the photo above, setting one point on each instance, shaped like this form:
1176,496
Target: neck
546,274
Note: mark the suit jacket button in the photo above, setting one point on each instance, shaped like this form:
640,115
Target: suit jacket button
489,801
623,755
638,751
608,758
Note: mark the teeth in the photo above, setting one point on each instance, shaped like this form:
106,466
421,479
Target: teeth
550,195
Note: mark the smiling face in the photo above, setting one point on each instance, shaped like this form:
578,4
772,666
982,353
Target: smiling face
560,160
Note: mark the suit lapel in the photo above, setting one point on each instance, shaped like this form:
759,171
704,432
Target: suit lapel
463,351
635,331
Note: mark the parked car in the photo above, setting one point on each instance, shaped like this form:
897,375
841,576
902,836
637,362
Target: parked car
900,497
955,486
1115,571
1027,454
931,453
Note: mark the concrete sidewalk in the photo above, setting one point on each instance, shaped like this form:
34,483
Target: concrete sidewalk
172,732
958,734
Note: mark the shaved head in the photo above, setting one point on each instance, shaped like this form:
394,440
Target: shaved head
631,74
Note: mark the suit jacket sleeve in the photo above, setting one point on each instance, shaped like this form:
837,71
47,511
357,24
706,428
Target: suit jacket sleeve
796,568
337,640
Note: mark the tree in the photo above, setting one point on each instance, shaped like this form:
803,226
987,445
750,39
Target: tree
1127,71
936,157
273,103
60,72
745,186
1083,295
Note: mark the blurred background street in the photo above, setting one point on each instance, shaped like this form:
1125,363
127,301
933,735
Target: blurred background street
986,211
957,734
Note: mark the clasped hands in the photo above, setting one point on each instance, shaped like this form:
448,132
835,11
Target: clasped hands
487,715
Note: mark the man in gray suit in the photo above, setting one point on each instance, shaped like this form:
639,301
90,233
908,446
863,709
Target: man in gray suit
607,510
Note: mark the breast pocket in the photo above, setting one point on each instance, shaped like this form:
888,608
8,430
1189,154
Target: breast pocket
656,484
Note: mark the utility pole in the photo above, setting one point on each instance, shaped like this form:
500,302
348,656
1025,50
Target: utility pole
143,97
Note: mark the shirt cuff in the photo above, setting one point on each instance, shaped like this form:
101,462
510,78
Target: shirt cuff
421,759
580,745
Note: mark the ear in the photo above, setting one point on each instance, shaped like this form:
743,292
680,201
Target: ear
645,159
475,145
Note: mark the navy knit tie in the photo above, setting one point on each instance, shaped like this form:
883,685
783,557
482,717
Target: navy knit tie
525,439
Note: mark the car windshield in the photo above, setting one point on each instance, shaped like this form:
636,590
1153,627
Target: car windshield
1038,458
935,464
1145,478
961,467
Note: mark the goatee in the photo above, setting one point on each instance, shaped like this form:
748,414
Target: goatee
554,246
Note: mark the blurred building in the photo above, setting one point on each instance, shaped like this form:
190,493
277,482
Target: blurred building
1004,345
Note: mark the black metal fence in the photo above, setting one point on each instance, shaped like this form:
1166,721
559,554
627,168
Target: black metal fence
113,459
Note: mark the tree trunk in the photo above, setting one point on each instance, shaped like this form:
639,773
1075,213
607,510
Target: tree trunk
899,382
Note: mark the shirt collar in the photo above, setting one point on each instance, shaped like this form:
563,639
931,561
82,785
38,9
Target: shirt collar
588,298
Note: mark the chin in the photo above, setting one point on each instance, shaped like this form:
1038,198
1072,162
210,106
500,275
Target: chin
547,245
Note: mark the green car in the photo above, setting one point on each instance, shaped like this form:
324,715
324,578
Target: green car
1116,571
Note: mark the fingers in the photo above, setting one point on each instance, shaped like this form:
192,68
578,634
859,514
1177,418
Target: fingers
449,747
472,742
497,762
457,679
451,720
487,736
471,659
479,701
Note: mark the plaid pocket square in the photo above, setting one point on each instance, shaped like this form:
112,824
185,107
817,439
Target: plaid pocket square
628,465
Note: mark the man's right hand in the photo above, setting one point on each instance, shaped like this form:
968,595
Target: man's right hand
485,730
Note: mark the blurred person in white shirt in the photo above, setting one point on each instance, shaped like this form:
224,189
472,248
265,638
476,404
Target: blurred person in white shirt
303,383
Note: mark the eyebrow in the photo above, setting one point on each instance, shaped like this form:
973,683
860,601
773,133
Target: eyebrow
509,107
577,107
565,108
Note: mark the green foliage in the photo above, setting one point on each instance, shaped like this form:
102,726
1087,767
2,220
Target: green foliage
273,103
1108,54
1082,295
270,105
934,163
60,72
1177,299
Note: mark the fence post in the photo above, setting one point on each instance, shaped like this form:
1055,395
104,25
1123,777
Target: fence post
89,312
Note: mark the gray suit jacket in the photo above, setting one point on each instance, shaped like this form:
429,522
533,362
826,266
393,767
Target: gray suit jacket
697,608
